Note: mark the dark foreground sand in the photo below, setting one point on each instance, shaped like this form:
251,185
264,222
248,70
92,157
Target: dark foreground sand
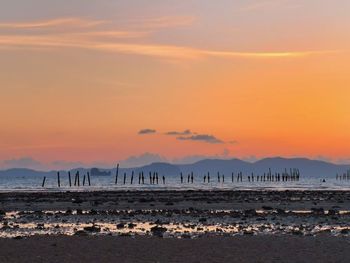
152,249
320,235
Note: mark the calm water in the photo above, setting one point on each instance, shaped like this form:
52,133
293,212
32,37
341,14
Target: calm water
33,183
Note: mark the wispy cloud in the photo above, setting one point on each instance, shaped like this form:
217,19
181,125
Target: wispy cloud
154,23
146,131
115,34
103,40
201,137
152,50
75,22
185,132
257,5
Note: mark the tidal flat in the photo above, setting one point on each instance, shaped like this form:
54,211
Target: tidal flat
202,219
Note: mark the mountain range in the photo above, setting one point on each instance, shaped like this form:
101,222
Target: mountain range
307,167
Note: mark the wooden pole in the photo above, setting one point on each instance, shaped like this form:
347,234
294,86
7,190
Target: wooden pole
88,177
43,184
116,174
70,180
84,180
58,179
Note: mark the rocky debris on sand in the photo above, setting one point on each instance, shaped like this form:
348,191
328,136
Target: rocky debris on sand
280,211
120,226
344,231
79,212
332,212
80,233
40,226
93,229
158,231
250,212
317,211
131,225
268,208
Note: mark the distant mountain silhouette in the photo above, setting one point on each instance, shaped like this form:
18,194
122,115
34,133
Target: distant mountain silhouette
25,172
307,167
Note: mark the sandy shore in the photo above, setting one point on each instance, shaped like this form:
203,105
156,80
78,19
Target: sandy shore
199,199
148,249
179,214
175,226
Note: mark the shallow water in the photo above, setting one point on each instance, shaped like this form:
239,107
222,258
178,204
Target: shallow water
27,223
34,183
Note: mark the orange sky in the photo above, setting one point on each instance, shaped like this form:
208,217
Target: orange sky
78,84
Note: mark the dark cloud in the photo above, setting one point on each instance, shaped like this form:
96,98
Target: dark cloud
185,132
147,131
201,137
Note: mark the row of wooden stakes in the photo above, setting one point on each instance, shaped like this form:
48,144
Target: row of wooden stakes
345,176
294,175
76,179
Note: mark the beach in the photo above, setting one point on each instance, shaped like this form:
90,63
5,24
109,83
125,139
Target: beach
175,226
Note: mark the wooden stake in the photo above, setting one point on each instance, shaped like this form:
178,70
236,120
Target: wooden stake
58,179
88,176
70,180
116,174
43,184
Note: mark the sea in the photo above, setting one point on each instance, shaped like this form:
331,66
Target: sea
13,183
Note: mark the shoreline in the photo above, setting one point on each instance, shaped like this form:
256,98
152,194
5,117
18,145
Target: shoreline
203,199
179,214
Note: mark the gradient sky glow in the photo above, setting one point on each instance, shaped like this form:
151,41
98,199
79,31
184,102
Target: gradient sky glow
80,79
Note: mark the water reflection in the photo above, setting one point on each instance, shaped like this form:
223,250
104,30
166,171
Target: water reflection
27,223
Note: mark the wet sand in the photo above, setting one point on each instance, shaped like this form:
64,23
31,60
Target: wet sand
151,249
199,199
175,226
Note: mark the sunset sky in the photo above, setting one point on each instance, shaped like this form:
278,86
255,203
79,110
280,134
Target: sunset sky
97,81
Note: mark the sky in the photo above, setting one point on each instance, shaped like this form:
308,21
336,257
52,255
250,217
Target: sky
87,82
